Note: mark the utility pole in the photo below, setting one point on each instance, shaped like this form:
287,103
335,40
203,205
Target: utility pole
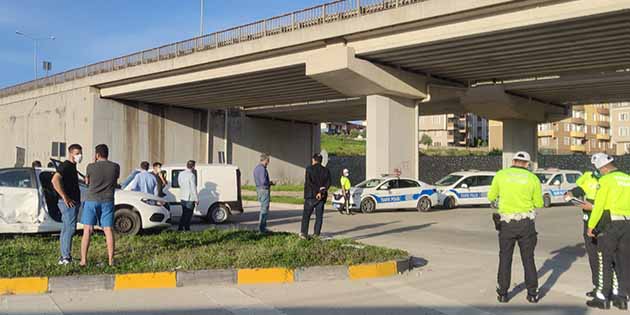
35,44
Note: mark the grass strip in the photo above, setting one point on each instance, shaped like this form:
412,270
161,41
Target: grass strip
36,255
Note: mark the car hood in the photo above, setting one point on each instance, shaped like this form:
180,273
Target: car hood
127,194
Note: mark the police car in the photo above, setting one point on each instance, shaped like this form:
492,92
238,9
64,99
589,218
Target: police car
464,188
388,192
555,183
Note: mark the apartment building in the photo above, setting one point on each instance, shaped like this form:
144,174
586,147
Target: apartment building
454,129
587,131
620,126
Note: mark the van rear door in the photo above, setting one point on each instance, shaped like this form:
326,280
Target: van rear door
172,191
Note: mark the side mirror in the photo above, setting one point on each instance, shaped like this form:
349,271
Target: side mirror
464,185
556,183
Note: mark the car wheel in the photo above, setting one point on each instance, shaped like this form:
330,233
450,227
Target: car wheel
126,222
219,213
449,203
424,204
547,201
368,205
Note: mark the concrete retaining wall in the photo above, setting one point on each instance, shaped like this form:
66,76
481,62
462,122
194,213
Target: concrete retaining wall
354,164
137,132
34,123
290,145
432,168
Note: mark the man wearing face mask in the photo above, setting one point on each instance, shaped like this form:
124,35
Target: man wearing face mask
159,177
66,184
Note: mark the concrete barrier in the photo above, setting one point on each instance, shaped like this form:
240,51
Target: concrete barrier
265,275
157,280
81,283
321,273
35,285
32,285
206,277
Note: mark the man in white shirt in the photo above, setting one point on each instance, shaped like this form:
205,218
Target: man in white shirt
189,197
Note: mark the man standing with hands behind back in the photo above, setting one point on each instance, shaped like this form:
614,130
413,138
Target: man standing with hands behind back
66,184
316,186
519,193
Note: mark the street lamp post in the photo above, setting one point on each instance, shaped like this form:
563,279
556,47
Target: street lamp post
201,19
35,44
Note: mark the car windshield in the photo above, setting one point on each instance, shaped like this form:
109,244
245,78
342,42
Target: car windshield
448,180
370,183
544,177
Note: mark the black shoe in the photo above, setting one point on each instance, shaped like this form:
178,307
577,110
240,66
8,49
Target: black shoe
533,298
591,293
502,298
597,303
620,303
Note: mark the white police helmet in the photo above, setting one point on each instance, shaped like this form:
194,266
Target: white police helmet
522,156
600,160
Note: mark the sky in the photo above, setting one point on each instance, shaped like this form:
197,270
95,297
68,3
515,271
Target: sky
88,31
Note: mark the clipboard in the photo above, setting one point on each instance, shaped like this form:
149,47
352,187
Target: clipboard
577,202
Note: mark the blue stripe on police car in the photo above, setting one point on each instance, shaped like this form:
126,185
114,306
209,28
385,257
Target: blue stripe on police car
402,198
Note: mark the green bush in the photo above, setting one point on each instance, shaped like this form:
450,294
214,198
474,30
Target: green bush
495,152
426,140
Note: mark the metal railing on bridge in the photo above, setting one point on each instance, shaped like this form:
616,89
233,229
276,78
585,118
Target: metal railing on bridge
322,14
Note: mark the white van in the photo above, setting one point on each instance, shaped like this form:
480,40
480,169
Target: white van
219,187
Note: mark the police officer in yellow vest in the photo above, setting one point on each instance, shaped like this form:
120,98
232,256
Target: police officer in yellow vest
587,186
613,238
519,193
345,189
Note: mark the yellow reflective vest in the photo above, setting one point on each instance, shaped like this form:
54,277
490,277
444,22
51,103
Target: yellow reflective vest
589,185
517,189
345,183
613,195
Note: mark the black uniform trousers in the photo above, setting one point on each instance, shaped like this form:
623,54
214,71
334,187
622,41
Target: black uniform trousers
310,205
590,245
524,233
614,244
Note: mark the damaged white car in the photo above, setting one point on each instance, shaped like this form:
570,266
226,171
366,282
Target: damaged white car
29,204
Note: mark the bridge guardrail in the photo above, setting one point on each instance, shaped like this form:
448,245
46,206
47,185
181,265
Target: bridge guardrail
326,13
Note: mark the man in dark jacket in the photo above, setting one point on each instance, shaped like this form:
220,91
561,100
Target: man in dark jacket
316,186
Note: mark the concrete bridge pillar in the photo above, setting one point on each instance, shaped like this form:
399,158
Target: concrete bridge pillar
392,136
519,135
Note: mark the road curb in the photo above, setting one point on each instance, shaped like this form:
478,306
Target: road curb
160,280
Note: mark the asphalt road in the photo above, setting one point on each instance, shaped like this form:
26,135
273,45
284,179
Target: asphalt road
455,255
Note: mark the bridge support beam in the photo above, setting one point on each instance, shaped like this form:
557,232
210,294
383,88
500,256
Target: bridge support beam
337,67
392,136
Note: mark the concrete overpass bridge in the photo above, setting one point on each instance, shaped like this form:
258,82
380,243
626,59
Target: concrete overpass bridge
388,61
